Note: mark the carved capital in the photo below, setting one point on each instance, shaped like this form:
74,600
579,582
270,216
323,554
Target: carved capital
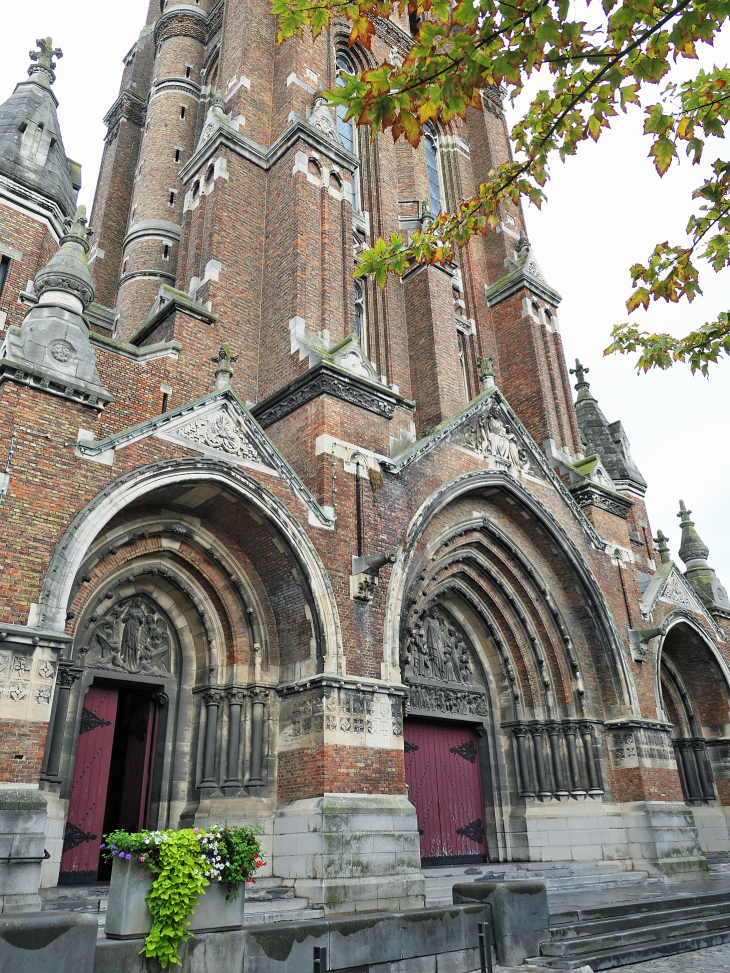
67,677
213,697
236,697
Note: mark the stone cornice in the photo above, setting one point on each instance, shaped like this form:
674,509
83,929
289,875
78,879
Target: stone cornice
297,130
145,353
521,280
327,379
163,229
128,105
592,494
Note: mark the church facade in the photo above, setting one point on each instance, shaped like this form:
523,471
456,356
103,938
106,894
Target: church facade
282,547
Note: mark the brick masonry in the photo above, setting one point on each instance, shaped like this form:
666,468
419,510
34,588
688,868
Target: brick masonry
239,223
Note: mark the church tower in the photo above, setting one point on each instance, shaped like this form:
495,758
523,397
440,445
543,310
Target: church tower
285,547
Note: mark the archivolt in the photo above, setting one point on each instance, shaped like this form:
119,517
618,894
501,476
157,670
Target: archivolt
405,576
86,526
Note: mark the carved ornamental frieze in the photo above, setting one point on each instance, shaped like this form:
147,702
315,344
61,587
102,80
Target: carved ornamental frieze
133,636
436,664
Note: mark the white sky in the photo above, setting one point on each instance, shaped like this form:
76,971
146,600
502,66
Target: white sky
606,210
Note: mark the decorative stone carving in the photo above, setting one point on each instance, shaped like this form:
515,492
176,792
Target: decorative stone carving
223,432
322,119
435,650
675,590
491,438
437,700
395,58
133,636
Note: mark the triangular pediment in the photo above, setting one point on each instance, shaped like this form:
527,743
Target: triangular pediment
668,585
490,431
219,427
225,429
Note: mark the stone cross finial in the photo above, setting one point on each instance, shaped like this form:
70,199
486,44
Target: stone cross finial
662,542
684,515
485,364
580,373
43,59
524,242
224,360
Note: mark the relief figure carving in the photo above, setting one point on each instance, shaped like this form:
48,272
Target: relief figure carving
132,636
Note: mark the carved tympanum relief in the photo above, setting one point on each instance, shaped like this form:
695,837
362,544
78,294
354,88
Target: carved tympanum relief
436,664
133,636
435,650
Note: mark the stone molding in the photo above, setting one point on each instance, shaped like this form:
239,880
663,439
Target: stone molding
158,229
326,379
592,495
182,21
128,105
298,130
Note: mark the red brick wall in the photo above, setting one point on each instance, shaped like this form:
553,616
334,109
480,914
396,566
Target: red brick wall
313,771
21,751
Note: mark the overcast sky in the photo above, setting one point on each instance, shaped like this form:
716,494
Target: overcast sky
606,210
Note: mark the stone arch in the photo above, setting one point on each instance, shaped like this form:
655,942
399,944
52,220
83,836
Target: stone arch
405,574
693,694
88,524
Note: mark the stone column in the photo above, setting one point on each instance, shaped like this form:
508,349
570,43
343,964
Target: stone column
523,763
576,786
259,697
65,679
708,791
212,699
537,741
557,764
235,704
594,777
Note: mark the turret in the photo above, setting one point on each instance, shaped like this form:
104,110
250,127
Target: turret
607,439
694,553
51,351
31,149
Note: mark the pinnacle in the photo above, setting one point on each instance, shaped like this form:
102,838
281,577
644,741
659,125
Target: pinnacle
692,548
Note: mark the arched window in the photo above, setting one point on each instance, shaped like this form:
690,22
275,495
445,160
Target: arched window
361,314
348,130
433,167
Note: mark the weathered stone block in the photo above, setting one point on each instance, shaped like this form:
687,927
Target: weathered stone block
48,942
520,915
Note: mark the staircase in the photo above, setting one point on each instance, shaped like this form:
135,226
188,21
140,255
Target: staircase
267,900
558,877
635,928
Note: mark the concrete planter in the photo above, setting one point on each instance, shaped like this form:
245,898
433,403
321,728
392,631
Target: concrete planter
128,917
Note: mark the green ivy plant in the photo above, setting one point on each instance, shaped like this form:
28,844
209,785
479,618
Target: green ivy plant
184,863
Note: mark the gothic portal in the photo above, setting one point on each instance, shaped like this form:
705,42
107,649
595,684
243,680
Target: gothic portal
280,547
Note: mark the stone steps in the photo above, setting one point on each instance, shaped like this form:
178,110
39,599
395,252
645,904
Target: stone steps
611,935
267,900
558,877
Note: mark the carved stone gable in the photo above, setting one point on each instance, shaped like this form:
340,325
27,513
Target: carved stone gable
491,435
677,592
223,430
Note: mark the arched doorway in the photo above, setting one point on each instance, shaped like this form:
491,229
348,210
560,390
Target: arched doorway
187,605
695,699
489,580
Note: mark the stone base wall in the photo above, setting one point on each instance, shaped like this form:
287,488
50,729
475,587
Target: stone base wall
22,840
425,941
351,852
666,839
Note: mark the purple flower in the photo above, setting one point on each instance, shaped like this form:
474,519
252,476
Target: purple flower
128,857
102,846
121,854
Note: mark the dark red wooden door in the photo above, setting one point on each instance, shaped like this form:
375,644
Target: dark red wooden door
444,784
80,859
140,747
